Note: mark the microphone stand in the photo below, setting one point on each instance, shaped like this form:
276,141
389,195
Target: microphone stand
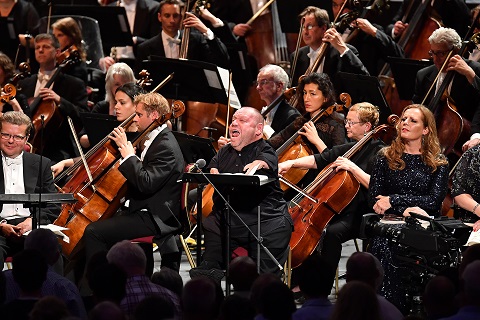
258,238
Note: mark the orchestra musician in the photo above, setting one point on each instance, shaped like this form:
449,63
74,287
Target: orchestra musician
21,173
339,57
6,73
143,23
272,81
372,43
246,151
17,19
453,14
410,175
465,187
154,194
203,44
124,108
361,118
328,131
68,93
465,87
68,33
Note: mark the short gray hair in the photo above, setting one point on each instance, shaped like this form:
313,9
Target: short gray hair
446,36
278,74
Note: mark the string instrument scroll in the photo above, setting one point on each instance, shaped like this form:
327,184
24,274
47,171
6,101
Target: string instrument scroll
326,196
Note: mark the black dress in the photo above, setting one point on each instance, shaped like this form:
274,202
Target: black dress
416,185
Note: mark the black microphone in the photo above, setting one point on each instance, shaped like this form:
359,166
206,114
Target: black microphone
199,164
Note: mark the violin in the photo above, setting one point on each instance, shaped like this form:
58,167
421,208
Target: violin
295,147
46,117
326,196
9,90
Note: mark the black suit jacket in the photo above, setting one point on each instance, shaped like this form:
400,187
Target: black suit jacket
73,101
466,96
284,115
32,174
349,62
146,23
200,49
152,184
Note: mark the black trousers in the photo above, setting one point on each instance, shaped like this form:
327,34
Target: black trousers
342,227
276,241
10,246
102,235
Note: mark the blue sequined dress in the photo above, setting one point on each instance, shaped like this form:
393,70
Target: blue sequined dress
414,186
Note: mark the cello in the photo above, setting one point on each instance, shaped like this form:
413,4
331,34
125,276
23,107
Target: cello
326,196
295,147
99,186
46,117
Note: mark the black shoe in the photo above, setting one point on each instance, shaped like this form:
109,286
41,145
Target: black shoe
208,269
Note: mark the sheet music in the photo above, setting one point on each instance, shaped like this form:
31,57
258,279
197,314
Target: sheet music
225,78
55,229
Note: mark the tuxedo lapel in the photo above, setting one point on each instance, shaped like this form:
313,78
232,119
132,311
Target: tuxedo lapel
30,172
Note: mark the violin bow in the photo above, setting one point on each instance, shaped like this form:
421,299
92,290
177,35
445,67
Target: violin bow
228,104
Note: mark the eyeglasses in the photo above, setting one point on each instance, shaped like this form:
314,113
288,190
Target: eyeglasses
7,136
439,54
263,82
309,27
350,122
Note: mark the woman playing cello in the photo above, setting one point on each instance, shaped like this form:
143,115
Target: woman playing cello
361,118
317,91
124,108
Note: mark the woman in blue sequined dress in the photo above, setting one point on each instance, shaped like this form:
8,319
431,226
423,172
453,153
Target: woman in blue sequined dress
410,175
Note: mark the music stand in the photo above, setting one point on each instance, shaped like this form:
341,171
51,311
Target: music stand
405,72
98,126
114,27
232,180
195,147
364,89
193,80
37,200
288,12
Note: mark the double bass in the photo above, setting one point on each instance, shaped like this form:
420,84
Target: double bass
451,126
326,196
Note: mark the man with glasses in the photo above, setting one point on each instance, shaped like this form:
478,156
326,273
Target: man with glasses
271,83
21,173
464,89
339,56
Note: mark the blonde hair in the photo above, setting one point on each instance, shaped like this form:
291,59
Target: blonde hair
431,151
153,102
17,118
366,112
